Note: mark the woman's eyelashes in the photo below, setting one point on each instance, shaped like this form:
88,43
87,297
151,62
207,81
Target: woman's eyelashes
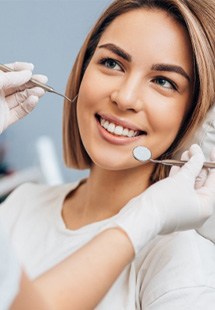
111,63
165,83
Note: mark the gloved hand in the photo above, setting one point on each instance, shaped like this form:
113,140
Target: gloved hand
207,230
172,204
205,137
18,96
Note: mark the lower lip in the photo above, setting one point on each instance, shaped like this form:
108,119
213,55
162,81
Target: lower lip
114,139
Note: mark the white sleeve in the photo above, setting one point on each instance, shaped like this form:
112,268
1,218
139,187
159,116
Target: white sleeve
178,273
10,272
200,298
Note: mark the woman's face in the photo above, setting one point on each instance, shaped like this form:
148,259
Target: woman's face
136,89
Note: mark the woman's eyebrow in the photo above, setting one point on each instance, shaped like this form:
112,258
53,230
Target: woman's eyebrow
171,68
117,50
157,67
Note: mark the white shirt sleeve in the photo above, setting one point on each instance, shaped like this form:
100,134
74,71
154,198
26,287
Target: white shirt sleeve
178,273
10,272
198,298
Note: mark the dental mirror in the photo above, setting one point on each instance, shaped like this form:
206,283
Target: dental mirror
144,155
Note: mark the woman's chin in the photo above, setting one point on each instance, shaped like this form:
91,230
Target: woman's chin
114,163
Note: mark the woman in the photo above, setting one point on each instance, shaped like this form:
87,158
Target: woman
151,89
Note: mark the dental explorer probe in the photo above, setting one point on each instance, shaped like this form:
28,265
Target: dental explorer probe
143,154
35,82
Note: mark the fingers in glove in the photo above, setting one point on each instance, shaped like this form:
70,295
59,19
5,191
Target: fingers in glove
18,82
201,178
210,181
11,81
38,77
23,109
19,66
193,167
175,169
20,97
212,155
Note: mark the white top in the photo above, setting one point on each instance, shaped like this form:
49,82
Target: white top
10,272
173,272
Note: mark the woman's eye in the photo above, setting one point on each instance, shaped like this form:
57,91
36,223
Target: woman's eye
165,83
111,64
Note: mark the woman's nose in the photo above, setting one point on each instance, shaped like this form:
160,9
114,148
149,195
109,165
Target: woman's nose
128,96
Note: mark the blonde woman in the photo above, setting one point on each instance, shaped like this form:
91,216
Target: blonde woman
144,76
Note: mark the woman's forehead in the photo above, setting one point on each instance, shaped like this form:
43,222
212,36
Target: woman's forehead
150,33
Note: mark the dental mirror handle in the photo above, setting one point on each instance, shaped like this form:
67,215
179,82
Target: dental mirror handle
174,162
37,83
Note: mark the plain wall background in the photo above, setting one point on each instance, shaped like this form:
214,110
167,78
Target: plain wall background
48,34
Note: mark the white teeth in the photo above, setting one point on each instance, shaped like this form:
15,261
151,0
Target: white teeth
125,132
111,128
102,121
106,123
117,130
131,133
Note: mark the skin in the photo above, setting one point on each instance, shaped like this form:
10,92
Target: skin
129,89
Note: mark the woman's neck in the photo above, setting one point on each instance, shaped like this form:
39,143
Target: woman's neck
104,194
113,189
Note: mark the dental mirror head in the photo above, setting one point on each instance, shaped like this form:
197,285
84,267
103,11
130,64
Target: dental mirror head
142,153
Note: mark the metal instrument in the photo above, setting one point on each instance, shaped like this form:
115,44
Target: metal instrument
35,82
143,154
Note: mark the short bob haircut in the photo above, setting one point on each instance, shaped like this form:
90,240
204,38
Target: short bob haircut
198,17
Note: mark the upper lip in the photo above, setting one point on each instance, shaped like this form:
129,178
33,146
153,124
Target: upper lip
121,122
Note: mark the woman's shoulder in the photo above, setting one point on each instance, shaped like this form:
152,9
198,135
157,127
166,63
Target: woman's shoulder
30,197
174,262
28,191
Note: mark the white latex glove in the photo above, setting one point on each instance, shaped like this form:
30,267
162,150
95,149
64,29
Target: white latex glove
18,96
172,204
207,230
10,273
205,137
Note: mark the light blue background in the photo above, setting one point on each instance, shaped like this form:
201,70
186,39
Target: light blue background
48,34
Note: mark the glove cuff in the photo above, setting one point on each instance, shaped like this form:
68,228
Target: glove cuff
139,220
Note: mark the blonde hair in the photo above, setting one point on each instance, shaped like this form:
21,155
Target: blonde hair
198,18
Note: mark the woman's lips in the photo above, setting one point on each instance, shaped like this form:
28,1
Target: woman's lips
117,132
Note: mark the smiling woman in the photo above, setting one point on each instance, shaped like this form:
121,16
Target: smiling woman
137,87
144,76
197,41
